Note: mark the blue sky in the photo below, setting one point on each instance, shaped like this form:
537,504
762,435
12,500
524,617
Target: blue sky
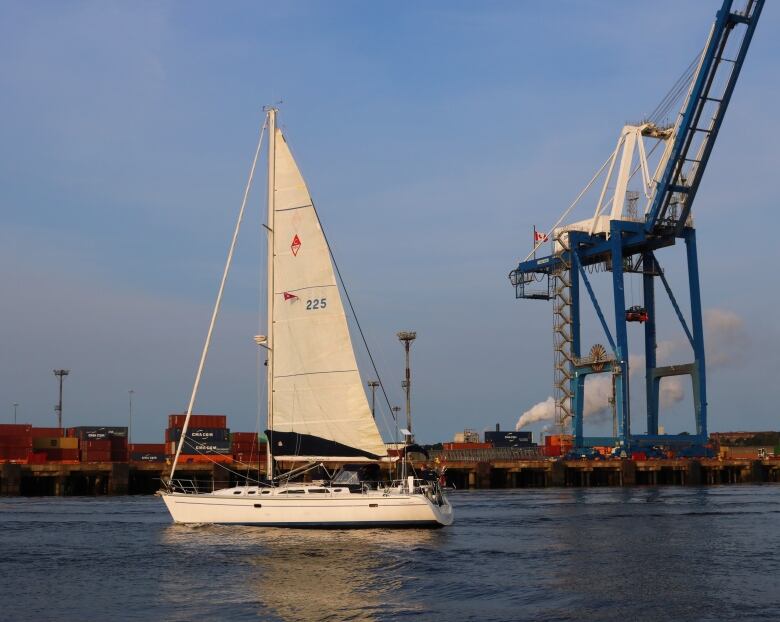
433,136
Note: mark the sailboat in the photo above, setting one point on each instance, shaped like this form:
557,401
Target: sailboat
318,412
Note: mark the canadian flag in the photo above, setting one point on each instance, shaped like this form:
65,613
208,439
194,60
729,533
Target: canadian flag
289,296
539,236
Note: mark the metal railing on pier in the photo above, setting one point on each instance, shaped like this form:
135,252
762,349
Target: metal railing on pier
488,455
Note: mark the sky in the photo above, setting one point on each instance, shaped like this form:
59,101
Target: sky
433,137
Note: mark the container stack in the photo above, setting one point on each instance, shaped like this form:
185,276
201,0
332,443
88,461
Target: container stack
207,440
147,452
56,448
246,447
16,442
101,443
558,444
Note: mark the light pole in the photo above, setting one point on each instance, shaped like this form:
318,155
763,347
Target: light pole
373,384
60,373
129,414
16,405
406,337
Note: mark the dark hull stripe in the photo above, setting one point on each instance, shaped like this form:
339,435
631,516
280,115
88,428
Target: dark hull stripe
295,444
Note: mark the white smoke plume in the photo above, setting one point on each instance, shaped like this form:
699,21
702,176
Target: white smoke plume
598,390
725,339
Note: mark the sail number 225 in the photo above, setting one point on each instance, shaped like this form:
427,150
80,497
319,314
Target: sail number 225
316,303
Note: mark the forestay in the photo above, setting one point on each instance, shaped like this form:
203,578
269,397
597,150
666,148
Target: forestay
319,405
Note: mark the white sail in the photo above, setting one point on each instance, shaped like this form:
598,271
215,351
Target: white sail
317,389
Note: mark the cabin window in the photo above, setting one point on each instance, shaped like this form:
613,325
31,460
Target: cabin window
317,490
251,492
293,492
237,492
265,492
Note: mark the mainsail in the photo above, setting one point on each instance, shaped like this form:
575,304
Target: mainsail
319,408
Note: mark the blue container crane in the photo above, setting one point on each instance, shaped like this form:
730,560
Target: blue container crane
622,241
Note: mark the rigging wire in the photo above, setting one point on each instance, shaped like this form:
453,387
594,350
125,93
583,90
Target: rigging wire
675,92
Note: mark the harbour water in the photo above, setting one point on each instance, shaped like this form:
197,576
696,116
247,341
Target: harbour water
553,554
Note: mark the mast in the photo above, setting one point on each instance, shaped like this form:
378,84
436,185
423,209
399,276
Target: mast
270,331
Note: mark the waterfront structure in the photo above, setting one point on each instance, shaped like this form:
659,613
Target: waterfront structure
626,241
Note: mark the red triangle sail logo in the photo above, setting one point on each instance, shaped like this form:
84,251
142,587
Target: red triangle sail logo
296,245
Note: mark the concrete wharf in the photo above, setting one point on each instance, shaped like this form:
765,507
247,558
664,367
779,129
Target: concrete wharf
121,478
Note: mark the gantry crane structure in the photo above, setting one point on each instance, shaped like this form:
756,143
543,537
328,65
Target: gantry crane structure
622,240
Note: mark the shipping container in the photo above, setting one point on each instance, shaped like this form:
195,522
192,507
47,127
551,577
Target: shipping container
205,435
244,437
50,432
200,421
37,457
202,459
96,445
249,457
62,454
15,428
217,447
508,438
154,448
147,456
559,439
86,432
745,453
46,442
14,454
16,440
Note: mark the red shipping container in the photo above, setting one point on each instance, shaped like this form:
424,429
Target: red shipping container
244,437
638,455
249,458
15,428
15,440
248,449
14,453
62,454
254,455
198,421
37,457
198,459
48,432
104,445
152,448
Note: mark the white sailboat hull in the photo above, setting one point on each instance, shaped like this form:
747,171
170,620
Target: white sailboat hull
371,509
